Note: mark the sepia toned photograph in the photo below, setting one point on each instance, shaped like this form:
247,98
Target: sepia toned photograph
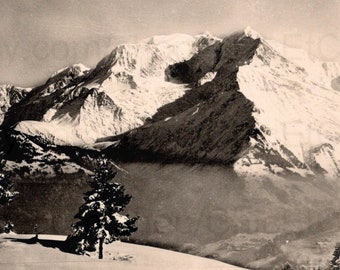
169,135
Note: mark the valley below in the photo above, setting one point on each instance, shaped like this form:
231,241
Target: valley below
201,210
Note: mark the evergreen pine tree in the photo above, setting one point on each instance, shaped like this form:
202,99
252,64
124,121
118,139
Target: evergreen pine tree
9,227
6,195
286,266
100,217
335,263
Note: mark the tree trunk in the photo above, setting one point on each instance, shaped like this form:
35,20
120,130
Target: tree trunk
101,241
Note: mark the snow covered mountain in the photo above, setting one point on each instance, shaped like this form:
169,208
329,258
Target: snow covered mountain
250,128
244,101
10,95
256,104
296,106
119,94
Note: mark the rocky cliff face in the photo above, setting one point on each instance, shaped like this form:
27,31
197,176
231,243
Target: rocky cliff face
211,123
52,95
257,108
10,95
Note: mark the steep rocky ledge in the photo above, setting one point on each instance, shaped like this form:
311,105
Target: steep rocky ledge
10,95
39,100
211,123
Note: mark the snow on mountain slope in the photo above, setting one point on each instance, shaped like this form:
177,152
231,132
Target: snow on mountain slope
80,69
16,252
63,77
10,95
208,77
295,105
293,127
269,108
34,157
119,94
82,119
133,75
56,92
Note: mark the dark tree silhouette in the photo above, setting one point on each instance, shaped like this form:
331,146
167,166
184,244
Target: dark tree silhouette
100,217
6,195
335,262
286,266
9,226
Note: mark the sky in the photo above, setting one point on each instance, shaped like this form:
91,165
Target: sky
38,37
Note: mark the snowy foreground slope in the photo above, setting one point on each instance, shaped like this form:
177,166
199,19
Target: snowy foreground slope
120,256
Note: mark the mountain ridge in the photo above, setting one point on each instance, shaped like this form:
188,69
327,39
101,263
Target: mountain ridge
232,69
195,99
130,70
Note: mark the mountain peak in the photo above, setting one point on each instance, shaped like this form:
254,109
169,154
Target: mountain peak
250,32
206,33
166,39
81,68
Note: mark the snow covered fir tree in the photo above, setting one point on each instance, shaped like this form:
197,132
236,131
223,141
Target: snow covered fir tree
335,262
9,227
6,194
100,217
